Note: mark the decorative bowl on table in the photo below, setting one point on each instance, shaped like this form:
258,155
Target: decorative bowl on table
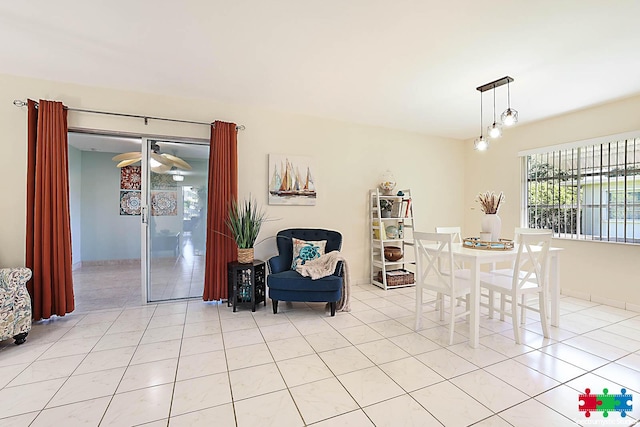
392,253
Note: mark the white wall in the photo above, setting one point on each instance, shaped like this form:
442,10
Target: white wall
106,235
349,159
75,203
603,271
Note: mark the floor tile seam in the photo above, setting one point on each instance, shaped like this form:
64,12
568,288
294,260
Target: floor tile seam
610,379
69,376
459,389
362,408
594,354
614,333
6,386
226,362
175,375
534,399
542,373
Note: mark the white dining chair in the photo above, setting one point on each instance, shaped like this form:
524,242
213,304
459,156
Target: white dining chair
430,277
456,231
529,276
508,271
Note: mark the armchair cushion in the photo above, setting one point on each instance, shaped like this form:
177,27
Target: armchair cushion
15,304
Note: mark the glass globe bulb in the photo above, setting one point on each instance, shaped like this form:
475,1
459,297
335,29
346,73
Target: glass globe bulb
480,144
494,130
509,117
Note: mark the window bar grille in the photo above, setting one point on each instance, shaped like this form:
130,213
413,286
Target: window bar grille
600,190
608,192
624,176
575,193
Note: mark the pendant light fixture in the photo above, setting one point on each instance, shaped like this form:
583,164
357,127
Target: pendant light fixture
481,144
495,130
509,117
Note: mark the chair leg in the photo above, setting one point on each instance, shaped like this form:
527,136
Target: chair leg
491,302
333,308
274,303
523,314
452,317
441,303
514,318
20,338
543,313
418,324
502,304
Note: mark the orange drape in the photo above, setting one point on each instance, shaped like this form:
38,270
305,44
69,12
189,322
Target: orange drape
48,233
223,187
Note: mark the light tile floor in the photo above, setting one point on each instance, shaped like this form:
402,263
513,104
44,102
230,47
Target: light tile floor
192,363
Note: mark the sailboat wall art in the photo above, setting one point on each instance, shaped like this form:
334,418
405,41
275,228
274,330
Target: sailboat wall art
291,180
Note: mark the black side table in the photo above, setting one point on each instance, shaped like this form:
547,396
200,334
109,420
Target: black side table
246,283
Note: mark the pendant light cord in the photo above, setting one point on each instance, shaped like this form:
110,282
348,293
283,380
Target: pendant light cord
494,106
481,126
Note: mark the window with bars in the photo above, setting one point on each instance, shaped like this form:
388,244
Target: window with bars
589,192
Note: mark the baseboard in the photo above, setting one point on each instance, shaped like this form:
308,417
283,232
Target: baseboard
576,294
601,300
608,301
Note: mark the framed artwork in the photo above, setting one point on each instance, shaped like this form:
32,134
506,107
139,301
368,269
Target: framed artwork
130,202
161,181
130,178
164,203
291,180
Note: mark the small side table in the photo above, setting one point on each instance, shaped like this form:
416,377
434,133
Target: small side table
246,283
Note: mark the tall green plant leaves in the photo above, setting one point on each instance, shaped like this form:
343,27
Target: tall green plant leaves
244,222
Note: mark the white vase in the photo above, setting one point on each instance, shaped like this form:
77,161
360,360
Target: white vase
491,223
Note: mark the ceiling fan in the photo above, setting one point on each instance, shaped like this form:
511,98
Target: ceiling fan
159,162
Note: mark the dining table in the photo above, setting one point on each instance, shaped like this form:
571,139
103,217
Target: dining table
475,258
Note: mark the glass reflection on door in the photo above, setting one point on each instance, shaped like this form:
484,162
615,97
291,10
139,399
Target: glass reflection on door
175,236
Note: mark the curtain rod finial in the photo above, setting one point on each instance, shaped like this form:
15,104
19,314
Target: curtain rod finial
19,103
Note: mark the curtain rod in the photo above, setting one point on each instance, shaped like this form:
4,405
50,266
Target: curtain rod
20,103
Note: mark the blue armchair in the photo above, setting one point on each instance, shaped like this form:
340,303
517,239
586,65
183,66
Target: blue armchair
286,284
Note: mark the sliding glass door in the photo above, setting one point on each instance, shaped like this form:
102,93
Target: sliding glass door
174,217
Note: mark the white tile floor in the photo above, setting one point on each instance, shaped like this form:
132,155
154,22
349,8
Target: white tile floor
194,363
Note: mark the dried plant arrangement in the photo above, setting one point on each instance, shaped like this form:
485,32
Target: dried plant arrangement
489,202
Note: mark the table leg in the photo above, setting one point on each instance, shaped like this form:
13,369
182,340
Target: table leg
474,325
554,278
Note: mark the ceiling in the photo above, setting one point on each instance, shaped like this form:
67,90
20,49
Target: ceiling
404,64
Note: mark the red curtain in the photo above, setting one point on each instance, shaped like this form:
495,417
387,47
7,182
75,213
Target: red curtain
48,225
223,188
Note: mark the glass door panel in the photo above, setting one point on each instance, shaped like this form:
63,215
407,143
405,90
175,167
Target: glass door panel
175,223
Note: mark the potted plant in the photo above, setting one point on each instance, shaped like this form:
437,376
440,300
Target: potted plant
385,207
244,222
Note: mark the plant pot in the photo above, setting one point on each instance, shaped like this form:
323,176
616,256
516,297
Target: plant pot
392,253
245,256
385,214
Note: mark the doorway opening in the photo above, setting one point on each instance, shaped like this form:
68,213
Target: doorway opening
119,259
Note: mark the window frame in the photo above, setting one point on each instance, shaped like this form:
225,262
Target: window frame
595,175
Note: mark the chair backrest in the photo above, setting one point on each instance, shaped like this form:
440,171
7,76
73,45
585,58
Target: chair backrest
284,240
433,263
456,231
532,260
520,230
